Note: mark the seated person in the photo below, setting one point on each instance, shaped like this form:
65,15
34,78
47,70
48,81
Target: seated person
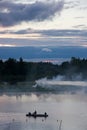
45,114
35,112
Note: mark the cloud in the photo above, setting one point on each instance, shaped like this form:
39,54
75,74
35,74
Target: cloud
25,31
71,4
63,33
79,4
15,13
83,26
46,50
49,35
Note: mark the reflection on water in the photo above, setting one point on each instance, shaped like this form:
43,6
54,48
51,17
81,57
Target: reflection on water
71,109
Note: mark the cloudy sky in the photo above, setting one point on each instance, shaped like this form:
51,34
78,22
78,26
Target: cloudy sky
43,23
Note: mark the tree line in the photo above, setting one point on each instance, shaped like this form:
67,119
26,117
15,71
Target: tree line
12,70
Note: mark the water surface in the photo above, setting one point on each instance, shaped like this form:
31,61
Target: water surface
71,109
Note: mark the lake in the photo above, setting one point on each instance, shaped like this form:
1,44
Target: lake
70,108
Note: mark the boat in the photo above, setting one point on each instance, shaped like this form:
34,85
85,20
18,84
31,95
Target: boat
37,115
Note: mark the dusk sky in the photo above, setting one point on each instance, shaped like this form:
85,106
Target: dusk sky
43,23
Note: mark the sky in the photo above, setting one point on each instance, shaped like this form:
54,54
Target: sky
45,24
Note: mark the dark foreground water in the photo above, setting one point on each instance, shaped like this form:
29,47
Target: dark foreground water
71,109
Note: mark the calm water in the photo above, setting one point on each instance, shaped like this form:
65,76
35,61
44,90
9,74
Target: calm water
71,109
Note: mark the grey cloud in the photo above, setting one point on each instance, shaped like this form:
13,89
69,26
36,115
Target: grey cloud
71,4
24,31
38,11
65,33
81,26
52,32
52,38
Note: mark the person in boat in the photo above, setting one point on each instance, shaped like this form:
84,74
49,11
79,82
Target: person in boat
35,113
45,114
29,113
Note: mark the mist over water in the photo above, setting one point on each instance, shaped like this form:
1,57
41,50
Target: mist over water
60,83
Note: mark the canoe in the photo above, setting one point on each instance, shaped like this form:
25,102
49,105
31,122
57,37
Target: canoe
37,115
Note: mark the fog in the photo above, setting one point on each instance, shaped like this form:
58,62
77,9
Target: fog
47,82
62,85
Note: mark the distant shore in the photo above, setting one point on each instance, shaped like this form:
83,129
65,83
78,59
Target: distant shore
18,75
